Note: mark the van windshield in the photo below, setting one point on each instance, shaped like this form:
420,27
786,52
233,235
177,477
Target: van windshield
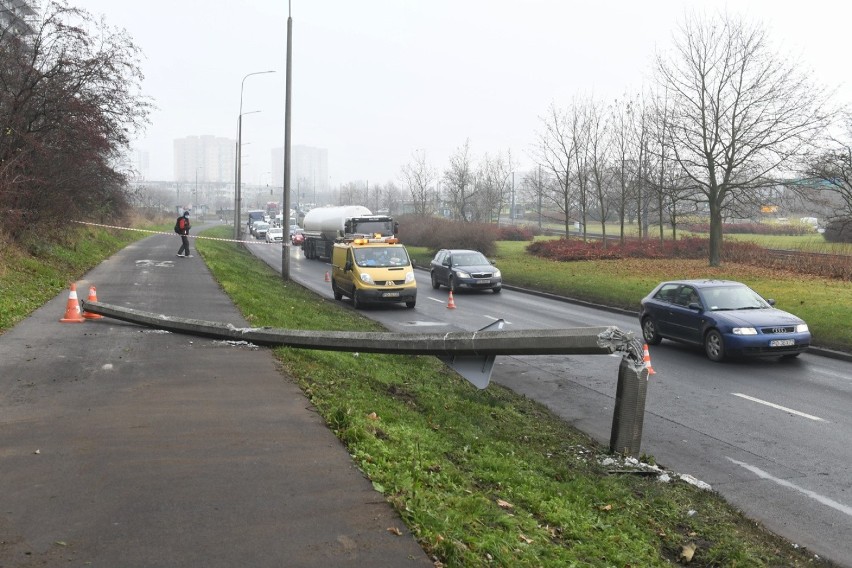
381,257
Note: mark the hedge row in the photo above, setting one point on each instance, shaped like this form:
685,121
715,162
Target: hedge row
825,265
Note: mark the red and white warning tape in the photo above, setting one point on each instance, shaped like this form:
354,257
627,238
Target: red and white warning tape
251,242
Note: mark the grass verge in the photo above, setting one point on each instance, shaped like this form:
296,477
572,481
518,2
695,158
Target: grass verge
487,478
34,272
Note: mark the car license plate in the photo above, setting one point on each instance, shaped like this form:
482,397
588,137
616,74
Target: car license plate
390,294
782,342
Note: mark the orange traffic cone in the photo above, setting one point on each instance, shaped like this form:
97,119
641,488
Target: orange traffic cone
72,308
93,297
327,279
451,304
646,359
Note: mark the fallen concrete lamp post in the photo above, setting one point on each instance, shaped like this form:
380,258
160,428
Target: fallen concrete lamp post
471,354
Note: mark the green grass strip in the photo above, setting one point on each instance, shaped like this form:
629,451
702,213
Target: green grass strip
485,478
34,272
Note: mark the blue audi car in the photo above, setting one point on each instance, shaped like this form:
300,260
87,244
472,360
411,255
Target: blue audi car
726,318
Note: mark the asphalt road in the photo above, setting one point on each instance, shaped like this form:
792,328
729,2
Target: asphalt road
123,446
771,436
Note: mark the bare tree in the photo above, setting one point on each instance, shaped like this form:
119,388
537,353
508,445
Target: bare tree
534,187
599,145
623,166
70,103
666,184
830,173
557,152
390,198
740,111
460,184
494,183
580,124
418,177
640,131
350,194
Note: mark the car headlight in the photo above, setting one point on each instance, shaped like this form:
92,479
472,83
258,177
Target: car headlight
462,274
744,331
496,274
802,328
409,277
366,278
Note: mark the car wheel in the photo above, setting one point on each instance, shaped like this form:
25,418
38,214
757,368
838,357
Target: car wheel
497,289
435,283
338,295
411,304
356,300
714,346
649,332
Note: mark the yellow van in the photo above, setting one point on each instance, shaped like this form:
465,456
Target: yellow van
372,270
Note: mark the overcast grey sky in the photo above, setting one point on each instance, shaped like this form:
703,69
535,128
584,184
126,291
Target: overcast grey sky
376,80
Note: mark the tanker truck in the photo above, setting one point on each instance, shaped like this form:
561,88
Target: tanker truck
323,226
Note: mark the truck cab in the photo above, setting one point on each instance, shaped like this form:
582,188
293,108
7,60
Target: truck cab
253,216
372,270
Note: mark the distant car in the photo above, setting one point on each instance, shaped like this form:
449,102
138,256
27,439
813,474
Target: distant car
297,238
275,235
295,229
461,268
259,229
727,318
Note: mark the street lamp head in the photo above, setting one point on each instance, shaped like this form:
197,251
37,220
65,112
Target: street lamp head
243,84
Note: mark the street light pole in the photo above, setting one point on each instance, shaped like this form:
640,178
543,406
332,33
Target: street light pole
512,212
285,205
239,159
195,199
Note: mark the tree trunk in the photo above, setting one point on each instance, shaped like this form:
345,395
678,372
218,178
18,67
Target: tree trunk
715,233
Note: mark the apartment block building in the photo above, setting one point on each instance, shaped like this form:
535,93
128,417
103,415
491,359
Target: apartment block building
310,171
205,158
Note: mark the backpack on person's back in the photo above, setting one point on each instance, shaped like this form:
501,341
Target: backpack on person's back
180,225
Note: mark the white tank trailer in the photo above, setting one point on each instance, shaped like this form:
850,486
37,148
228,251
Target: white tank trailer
322,226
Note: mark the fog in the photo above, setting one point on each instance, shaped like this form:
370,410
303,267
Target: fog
377,80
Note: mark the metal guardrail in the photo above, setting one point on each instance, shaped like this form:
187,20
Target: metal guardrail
471,354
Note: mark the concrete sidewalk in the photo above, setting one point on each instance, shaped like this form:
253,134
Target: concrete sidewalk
124,446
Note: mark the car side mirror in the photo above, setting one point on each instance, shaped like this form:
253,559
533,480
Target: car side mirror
770,301
695,306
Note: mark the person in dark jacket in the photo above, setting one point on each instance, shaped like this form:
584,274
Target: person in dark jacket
183,227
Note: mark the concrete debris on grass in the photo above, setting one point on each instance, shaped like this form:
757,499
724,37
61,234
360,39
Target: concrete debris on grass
632,465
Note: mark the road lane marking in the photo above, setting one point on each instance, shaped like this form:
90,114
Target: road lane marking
830,374
497,319
779,407
846,510
437,300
